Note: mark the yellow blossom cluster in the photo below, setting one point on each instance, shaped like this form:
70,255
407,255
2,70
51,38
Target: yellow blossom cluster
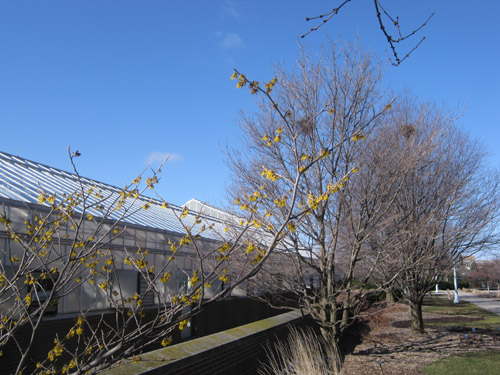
269,85
269,139
56,351
183,324
269,174
281,202
358,137
166,341
258,258
250,247
164,278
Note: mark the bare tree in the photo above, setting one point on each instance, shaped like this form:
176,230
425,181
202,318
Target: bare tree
487,271
313,138
446,207
389,25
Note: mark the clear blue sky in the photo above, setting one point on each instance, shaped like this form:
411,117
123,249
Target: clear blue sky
127,81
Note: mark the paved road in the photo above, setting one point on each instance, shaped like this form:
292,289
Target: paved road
490,304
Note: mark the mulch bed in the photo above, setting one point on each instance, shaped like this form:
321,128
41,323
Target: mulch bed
443,319
389,347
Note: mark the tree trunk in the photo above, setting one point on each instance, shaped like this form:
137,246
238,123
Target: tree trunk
345,319
389,296
417,321
335,358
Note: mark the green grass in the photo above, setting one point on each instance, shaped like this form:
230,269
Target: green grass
443,306
479,363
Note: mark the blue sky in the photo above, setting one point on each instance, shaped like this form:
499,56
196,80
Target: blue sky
129,82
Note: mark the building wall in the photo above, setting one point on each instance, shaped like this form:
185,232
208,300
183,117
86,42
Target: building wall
90,297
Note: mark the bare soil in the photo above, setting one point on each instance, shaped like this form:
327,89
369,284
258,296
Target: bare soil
385,344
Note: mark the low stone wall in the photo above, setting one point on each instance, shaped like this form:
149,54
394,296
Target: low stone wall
237,351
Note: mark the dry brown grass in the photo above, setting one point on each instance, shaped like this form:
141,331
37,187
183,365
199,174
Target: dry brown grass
301,354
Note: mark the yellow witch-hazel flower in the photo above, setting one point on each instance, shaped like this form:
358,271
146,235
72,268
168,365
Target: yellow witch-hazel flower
358,137
312,201
224,248
281,202
334,187
150,182
41,198
269,86
269,174
185,241
254,87
324,154
250,247
258,257
195,279
184,213
166,341
242,81
256,223
165,277
183,324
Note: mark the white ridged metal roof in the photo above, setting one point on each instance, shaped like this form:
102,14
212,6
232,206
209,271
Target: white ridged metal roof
23,180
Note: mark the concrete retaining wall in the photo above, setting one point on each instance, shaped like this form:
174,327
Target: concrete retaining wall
216,317
237,351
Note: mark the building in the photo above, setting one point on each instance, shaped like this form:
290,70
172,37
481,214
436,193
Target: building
120,225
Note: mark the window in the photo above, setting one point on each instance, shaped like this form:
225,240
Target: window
41,289
148,296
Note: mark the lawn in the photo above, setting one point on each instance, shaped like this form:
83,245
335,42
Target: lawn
482,319
478,363
464,316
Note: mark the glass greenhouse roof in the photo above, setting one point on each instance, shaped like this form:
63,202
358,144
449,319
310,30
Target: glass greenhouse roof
24,180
